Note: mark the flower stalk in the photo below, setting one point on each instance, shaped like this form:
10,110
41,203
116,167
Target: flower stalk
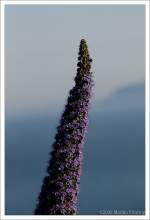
60,187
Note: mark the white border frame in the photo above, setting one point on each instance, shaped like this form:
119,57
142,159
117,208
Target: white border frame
2,130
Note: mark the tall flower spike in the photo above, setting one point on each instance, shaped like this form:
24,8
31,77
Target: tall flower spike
60,187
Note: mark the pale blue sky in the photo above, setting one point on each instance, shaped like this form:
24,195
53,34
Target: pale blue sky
42,45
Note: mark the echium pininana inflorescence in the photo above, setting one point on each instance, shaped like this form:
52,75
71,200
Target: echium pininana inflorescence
60,187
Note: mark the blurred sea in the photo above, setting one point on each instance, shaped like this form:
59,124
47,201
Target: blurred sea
113,176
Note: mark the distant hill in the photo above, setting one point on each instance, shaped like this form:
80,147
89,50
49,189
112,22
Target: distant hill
129,98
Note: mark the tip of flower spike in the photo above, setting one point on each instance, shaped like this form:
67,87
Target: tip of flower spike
84,64
83,41
83,47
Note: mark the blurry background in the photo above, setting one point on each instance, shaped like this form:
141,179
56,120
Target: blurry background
41,46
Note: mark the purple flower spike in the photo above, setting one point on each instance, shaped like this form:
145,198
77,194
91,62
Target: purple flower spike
60,187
